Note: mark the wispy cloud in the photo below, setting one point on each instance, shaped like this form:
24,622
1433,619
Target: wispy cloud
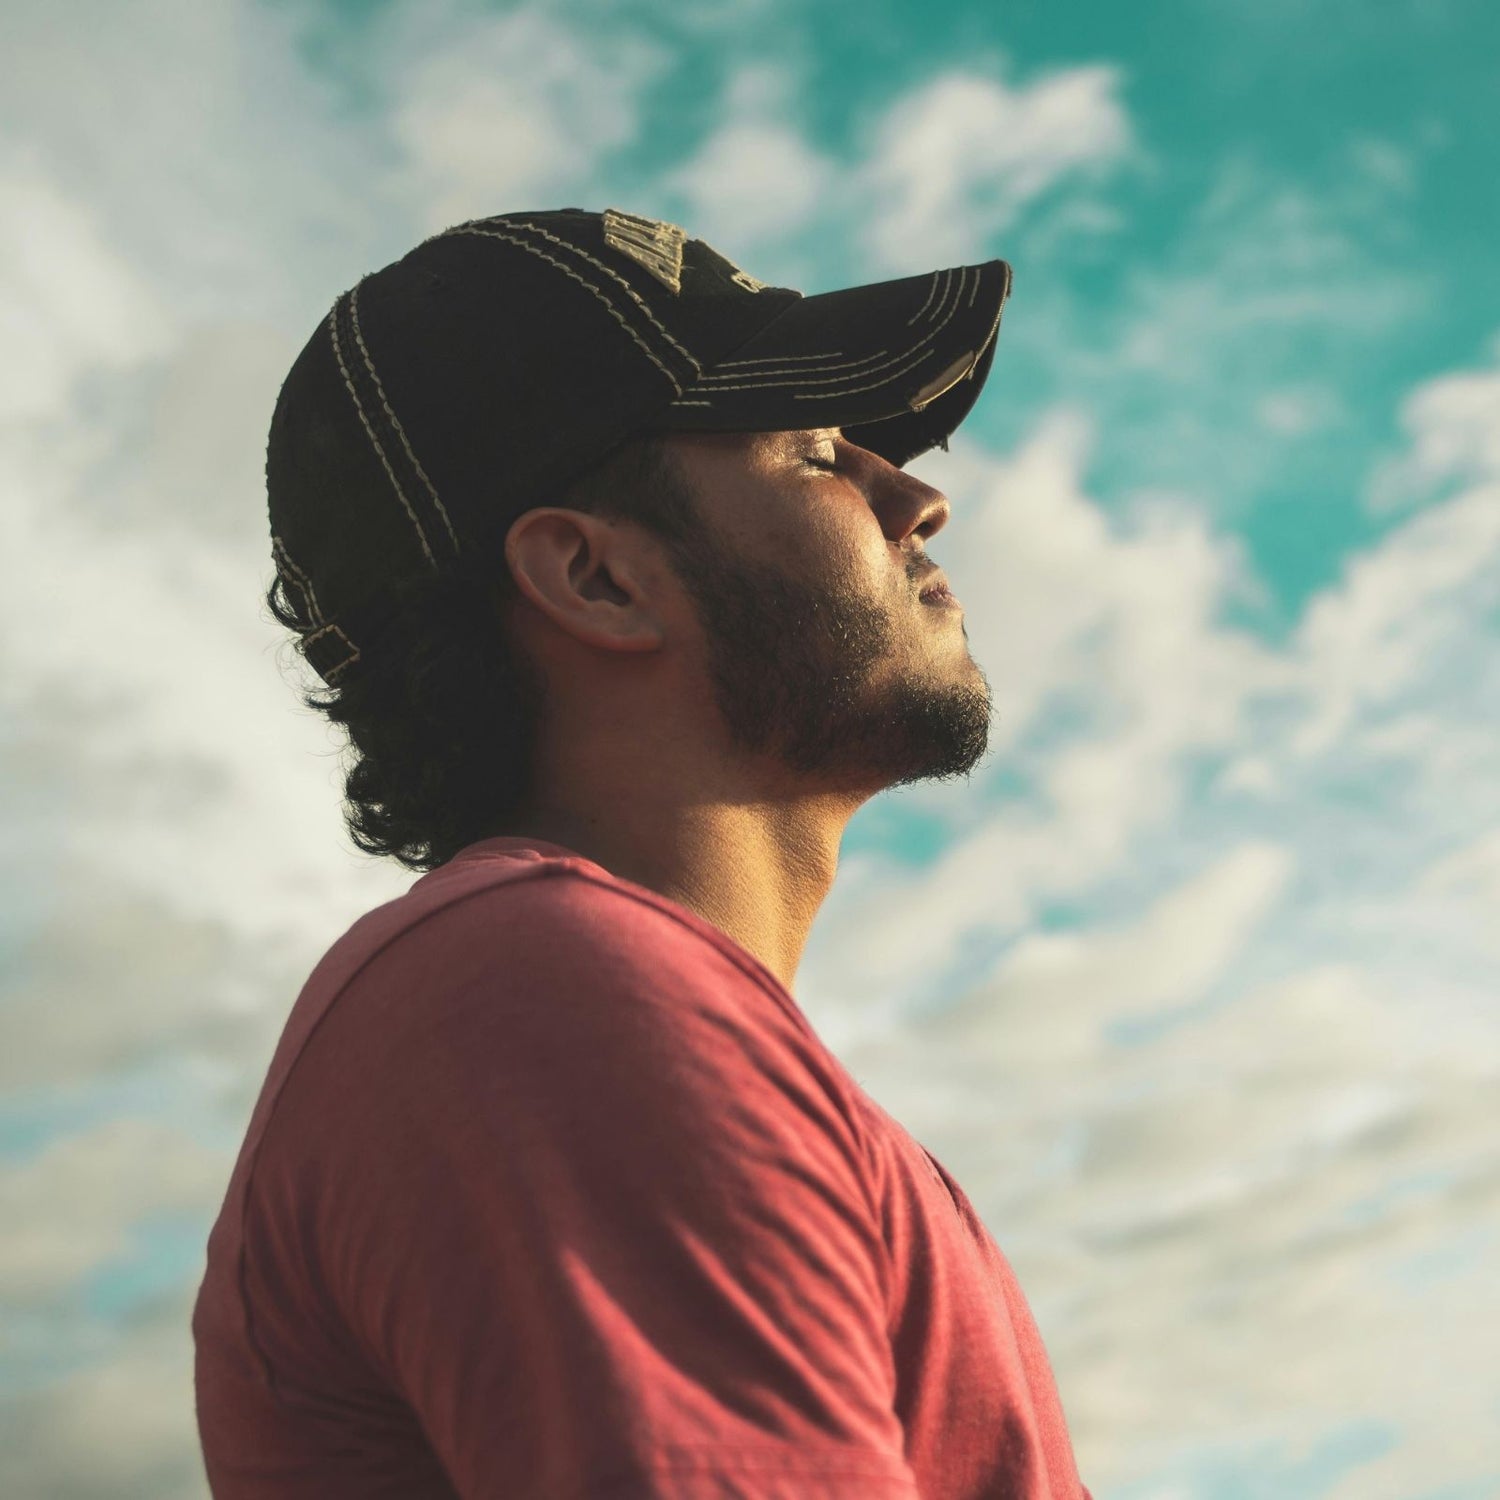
510,111
955,161
756,178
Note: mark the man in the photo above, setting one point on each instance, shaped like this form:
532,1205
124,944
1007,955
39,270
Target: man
552,1190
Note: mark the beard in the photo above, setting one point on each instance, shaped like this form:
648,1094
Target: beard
803,674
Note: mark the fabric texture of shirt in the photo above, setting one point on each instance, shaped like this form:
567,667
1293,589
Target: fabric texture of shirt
552,1192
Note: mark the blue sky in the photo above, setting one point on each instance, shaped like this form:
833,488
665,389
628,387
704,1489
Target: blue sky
1192,985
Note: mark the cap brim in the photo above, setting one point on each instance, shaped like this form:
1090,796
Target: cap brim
896,364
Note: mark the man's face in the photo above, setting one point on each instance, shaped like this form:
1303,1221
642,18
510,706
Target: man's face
806,582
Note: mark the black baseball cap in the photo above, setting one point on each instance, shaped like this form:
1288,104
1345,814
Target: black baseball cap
490,367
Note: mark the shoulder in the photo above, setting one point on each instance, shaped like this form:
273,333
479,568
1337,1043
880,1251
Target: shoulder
529,959
564,921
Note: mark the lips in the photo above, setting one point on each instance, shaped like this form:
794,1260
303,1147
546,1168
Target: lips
937,588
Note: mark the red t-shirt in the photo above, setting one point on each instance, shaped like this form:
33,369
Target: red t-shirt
552,1191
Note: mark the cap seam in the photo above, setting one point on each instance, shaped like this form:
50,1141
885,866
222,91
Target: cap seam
905,354
568,271
370,431
609,271
359,338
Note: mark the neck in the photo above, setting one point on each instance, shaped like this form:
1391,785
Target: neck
758,871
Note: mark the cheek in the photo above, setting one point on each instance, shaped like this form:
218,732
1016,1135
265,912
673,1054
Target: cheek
849,535
852,561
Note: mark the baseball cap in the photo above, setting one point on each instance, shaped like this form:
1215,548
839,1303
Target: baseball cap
487,369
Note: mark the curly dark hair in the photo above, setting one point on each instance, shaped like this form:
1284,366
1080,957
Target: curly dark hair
443,731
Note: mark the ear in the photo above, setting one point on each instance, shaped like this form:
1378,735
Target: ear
590,578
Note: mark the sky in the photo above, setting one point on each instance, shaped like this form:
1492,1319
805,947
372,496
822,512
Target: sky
1192,984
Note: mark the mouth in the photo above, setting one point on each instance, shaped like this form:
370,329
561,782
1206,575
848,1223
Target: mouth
940,596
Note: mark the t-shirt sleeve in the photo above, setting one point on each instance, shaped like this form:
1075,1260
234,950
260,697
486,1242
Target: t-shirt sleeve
593,1203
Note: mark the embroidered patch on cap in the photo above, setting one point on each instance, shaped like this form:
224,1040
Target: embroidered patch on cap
652,243
745,279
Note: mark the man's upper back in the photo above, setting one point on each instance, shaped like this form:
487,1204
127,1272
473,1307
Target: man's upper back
552,1191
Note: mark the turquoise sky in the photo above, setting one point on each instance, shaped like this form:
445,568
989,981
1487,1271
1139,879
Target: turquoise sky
1192,985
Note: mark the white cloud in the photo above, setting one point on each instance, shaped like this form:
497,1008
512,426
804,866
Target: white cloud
1261,264
155,657
122,1425
1386,163
1294,410
69,302
509,111
1204,349
1452,428
1384,626
755,178
1108,666
70,1208
1224,1229
213,162
956,159
1176,952
1472,872
1044,1005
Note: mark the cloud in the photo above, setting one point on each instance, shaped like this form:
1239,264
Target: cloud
511,111
954,161
1452,428
1202,349
69,302
1272,1218
756,178
1109,666
1383,627
1173,954
71,1206
122,1425
1294,410
1044,1009
267,193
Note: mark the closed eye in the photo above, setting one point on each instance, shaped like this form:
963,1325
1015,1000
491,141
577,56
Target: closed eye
829,466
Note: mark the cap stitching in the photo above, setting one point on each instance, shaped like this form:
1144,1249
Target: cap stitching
931,333
302,581
983,344
851,364
359,338
778,359
788,359
615,312
931,291
614,275
338,354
